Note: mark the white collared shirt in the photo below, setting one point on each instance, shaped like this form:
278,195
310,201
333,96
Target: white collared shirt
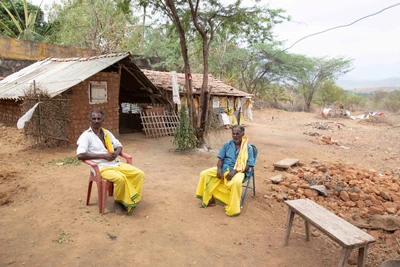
89,142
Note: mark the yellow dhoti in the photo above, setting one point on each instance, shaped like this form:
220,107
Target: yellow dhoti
227,192
128,182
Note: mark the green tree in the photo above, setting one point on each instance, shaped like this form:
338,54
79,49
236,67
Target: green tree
22,20
96,24
167,52
377,97
353,101
260,66
208,18
329,93
174,13
310,73
392,101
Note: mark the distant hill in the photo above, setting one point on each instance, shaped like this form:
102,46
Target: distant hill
365,86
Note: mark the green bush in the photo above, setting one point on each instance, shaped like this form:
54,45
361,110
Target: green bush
185,136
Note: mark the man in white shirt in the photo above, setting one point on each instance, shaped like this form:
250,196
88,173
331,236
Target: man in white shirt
101,146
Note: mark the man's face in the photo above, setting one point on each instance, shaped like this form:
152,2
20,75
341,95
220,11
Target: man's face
96,120
237,135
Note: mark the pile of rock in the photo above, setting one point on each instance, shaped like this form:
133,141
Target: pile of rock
323,139
341,188
327,140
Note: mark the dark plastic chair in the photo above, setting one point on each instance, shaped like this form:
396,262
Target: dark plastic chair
250,176
103,186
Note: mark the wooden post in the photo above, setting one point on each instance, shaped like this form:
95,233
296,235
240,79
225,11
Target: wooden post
362,256
39,114
289,224
344,256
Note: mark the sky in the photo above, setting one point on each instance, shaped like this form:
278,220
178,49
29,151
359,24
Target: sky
373,43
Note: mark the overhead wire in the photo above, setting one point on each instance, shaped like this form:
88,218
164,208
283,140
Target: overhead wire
341,26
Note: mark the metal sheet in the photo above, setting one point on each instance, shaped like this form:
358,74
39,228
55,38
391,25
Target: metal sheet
54,76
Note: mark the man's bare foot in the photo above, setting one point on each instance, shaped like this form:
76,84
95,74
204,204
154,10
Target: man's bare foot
211,203
119,209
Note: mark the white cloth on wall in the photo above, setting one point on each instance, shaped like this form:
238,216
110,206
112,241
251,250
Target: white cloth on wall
238,103
249,113
175,89
27,116
230,103
215,101
225,119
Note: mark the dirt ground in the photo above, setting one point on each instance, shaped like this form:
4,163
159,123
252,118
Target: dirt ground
45,222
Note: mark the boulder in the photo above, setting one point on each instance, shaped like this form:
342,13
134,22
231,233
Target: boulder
360,204
350,203
394,187
310,193
375,210
279,197
276,179
294,187
383,222
385,196
344,196
354,196
391,210
321,189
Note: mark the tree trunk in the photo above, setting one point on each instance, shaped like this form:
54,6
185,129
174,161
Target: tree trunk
182,40
204,98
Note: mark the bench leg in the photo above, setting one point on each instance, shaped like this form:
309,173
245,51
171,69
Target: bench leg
344,256
362,256
307,225
289,224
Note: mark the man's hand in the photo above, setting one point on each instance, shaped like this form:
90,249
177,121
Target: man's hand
220,174
110,156
230,175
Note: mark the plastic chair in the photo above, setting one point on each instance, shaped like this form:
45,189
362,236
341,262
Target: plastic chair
250,176
103,186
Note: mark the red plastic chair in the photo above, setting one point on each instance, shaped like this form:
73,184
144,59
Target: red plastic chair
103,186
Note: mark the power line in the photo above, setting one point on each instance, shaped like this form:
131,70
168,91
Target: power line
341,26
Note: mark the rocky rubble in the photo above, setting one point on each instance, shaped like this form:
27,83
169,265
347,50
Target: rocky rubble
366,198
348,190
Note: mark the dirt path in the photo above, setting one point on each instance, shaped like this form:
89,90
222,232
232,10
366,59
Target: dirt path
45,221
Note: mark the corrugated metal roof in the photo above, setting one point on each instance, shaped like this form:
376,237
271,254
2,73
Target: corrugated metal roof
164,80
55,75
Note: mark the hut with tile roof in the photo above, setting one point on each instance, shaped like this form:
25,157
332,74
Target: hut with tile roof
236,104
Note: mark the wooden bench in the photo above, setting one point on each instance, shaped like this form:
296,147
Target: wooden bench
339,230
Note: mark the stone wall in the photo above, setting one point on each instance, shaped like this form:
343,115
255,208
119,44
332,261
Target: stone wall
9,66
27,50
10,111
79,105
17,54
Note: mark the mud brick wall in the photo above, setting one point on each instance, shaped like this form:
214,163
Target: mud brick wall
10,111
79,106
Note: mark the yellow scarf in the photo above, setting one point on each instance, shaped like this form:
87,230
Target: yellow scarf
241,160
107,141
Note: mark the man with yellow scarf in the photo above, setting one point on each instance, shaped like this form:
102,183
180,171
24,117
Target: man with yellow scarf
224,182
101,146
